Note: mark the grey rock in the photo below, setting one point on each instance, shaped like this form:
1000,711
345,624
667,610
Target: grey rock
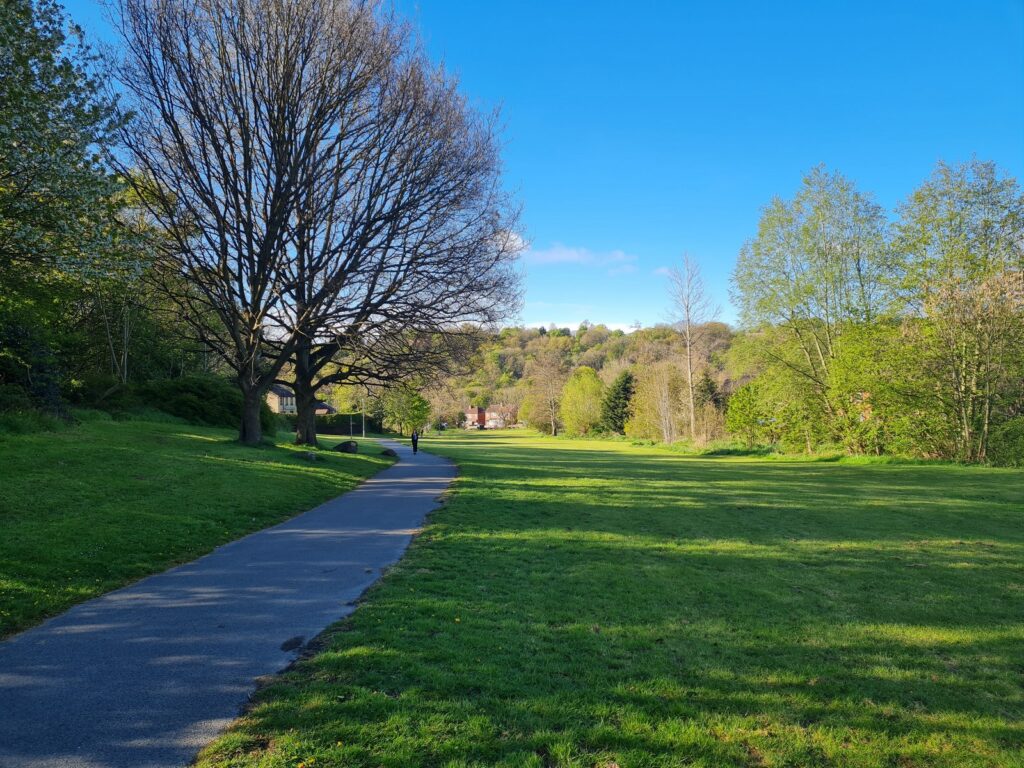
349,446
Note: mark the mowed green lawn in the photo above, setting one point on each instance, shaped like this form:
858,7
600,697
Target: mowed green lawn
89,509
599,604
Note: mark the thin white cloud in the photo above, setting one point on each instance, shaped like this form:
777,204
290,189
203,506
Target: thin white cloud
616,262
663,271
558,254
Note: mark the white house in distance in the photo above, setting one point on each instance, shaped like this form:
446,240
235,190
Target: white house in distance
281,399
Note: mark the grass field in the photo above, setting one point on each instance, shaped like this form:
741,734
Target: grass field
89,509
599,604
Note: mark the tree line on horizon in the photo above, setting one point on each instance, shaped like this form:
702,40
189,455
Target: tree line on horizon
859,331
256,192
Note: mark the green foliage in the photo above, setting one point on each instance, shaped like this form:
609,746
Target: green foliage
29,421
591,603
818,260
747,415
910,341
340,423
1006,447
962,237
616,404
656,407
405,410
74,249
707,393
207,400
14,398
580,404
54,190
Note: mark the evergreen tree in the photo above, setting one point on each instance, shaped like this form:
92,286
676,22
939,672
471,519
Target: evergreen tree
615,408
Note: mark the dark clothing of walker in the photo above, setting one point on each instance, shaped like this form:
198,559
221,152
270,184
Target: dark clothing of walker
415,442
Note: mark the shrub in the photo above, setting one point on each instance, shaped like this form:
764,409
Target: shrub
336,423
1006,445
90,414
14,399
205,400
27,422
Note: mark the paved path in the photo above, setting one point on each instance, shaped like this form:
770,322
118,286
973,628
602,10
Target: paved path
145,676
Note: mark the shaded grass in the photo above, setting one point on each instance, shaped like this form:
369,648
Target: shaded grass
91,508
600,604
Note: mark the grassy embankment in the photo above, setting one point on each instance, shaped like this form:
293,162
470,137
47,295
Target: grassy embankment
601,604
89,509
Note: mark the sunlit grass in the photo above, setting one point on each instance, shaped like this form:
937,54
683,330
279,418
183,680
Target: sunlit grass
599,604
86,510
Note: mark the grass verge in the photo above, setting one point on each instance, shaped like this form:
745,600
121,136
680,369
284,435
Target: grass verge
601,604
88,509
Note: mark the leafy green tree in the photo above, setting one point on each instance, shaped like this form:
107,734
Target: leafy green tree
961,234
746,414
819,264
581,401
405,409
55,193
616,404
58,234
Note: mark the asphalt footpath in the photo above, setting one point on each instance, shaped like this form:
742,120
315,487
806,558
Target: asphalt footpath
146,676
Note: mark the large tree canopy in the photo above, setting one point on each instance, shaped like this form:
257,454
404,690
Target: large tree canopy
55,193
325,186
58,236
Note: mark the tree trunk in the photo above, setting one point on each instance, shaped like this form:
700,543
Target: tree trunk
689,383
305,416
305,396
251,432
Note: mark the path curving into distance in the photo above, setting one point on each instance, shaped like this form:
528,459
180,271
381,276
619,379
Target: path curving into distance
146,676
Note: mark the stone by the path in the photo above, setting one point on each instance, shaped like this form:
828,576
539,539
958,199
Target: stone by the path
146,676
349,446
389,452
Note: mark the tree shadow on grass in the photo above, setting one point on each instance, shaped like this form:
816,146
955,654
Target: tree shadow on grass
670,611
652,669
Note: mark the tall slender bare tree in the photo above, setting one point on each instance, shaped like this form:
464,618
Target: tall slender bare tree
693,309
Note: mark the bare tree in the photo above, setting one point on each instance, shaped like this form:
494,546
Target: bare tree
507,402
693,308
237,106
547,371
404,239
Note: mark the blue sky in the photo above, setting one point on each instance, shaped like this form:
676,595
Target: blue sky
635,132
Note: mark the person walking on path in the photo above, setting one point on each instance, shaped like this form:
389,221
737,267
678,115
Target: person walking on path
415,441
